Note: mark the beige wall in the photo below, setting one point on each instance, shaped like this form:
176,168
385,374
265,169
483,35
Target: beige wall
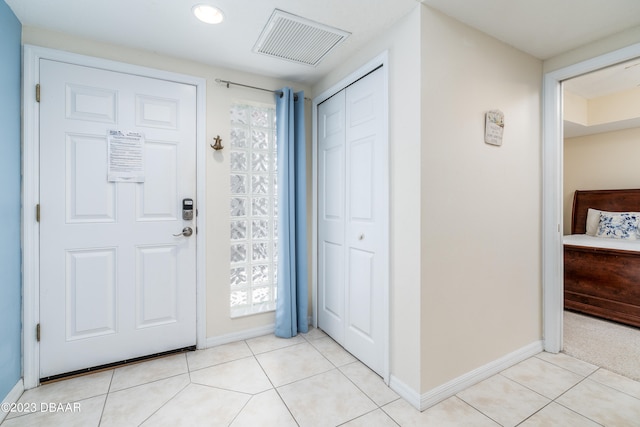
219,99
481,204
615,107
600,162
465,216
576,108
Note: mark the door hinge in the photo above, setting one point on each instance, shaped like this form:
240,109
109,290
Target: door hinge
38,212
38,92
38,332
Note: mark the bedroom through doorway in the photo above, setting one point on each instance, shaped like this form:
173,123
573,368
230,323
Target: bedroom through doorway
601,121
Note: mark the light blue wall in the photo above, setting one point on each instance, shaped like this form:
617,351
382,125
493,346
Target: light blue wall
10,262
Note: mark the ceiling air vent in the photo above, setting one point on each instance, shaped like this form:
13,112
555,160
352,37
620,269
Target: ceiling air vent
297,39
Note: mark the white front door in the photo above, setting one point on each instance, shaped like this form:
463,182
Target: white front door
115,283
353,219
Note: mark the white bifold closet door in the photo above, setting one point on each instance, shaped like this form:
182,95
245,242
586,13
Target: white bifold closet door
353,219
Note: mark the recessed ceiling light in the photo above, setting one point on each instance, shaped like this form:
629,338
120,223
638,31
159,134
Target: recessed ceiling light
207,13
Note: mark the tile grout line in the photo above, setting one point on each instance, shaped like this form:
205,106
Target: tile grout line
474,408
165,403
554,400
367,413
564,367
274,387
172,397
104,405
611,387
352,382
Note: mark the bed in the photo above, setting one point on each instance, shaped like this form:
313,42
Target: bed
602,274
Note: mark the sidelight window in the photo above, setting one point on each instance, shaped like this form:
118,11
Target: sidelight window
253,208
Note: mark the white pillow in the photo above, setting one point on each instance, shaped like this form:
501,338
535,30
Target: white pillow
593,219
618,225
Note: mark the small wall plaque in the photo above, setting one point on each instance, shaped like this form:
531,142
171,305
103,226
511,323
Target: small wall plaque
494,127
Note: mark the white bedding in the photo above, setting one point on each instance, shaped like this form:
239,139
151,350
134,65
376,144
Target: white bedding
601,242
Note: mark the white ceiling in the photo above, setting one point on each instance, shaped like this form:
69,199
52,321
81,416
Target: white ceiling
543,28
169,27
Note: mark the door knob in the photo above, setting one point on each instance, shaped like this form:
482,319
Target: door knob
186,232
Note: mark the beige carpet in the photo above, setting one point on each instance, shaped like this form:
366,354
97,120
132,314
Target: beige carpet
606,344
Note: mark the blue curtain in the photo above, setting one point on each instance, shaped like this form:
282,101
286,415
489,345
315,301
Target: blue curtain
291,306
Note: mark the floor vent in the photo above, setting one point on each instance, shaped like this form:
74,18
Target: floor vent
297,39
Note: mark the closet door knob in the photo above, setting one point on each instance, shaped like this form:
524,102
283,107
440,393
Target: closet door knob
361,236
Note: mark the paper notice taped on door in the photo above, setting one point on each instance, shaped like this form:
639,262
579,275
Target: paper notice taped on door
125,156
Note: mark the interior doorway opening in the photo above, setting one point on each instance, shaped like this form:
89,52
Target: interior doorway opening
552,217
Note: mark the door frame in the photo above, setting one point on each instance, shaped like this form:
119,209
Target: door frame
552,188
381,60
30,192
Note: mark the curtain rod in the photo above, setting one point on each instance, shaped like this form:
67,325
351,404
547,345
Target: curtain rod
228,83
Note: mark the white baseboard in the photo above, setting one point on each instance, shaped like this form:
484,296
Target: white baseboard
451,388
238,336
406,392
456,385
12,397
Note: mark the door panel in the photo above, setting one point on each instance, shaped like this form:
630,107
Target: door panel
156,112
353,219
331,202
332,283
94,201
360,279
90,310
91,103
366,209
115,282
157,285
361,170
157,198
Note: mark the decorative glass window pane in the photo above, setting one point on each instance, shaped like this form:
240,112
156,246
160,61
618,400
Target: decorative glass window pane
260,229
253,207
238,161
275,230
259,252
238,230
239,114
259,162
259,140
238,138
260,206
239,299
261,295
260,274
260,184
260,117
238,184
238,206
238,277
275,164
238,252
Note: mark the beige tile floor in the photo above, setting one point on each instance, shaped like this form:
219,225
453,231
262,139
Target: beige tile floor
311,381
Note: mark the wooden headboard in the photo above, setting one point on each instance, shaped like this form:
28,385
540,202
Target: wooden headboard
604,200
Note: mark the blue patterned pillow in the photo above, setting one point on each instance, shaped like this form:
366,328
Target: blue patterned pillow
619,225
